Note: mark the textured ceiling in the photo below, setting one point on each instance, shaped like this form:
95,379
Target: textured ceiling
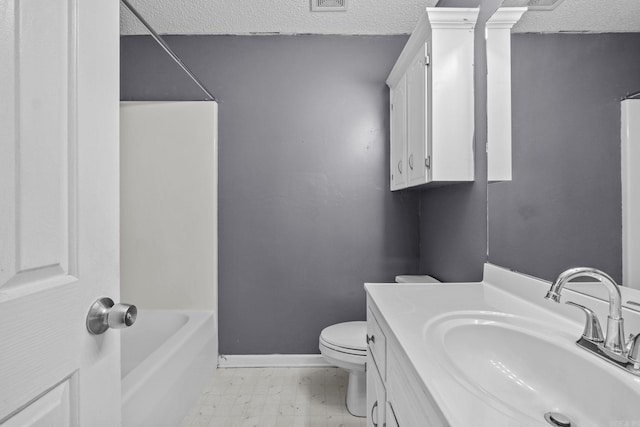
600,16
273,16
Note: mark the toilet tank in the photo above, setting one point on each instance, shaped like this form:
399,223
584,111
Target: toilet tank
416,279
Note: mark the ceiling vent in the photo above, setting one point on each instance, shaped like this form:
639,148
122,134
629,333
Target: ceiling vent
328,5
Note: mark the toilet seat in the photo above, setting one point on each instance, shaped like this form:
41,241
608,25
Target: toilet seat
348,337
344,350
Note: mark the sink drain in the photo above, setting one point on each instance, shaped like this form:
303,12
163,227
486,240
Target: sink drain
557,419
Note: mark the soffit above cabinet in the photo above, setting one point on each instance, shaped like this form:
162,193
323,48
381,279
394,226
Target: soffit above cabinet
274,17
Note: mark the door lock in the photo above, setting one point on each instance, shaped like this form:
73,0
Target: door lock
104,314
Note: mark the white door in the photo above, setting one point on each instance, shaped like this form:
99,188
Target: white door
58,211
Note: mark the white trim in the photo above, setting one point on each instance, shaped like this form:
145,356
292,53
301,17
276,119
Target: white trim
272,361
441,17
505,17
630,155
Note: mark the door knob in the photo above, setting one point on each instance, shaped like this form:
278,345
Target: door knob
104,314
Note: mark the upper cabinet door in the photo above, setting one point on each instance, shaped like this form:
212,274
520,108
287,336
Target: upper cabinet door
417,119
59,211
398,122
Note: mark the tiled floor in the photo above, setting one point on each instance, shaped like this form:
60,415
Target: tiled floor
274,397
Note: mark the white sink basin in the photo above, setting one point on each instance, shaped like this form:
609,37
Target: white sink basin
521,366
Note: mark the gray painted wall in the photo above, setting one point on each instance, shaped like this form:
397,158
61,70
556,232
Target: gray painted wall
306,215
563,207
453,219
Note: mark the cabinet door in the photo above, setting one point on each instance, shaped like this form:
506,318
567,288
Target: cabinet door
398,166
418,120
376,395
407,400
391,417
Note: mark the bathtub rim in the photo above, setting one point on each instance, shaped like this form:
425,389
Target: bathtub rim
139,375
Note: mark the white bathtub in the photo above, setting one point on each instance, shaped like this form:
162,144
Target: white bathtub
167,357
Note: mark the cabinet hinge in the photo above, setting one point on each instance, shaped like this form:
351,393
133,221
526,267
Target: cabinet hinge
427,162
365,366
427,60
392,106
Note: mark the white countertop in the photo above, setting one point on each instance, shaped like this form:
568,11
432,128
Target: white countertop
407,310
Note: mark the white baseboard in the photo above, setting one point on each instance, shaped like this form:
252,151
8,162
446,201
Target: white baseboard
271,361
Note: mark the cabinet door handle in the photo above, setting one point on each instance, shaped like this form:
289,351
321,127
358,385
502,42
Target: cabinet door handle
371,339
411,161
375,405
400,166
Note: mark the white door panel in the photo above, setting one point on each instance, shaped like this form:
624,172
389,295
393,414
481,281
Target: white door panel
58,211
52,409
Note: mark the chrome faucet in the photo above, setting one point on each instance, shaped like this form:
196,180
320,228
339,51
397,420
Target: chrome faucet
614,338
612,347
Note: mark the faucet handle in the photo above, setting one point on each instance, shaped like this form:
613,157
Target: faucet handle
633,350
592,330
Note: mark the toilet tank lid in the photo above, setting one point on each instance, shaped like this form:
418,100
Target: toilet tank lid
351,335
416,279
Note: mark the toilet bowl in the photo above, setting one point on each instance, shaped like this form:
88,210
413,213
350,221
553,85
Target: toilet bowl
344,345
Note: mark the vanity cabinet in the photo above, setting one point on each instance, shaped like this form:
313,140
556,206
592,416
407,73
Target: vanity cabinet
406,398
431,102
395,395
376,373
376,395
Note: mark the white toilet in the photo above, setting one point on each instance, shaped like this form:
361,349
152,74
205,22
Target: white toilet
345,345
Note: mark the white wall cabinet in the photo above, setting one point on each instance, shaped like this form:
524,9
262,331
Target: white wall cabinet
498,33
431,84
395,395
